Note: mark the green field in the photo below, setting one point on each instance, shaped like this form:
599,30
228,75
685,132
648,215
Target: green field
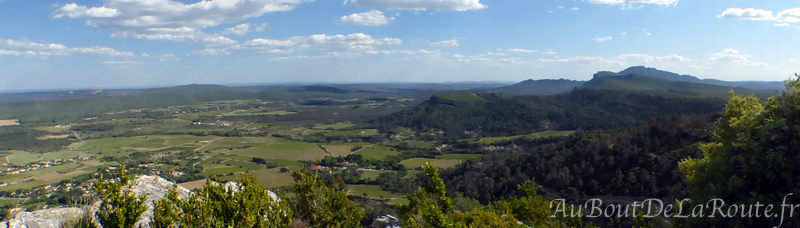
372,191
269,178
7,178
377,152
334,126
287,150
373,174
342,149
414,163
459,156
107,143
19,157
150,143
490,140
245,164
222,170
366,132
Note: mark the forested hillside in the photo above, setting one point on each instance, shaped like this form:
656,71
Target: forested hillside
461,114
638,161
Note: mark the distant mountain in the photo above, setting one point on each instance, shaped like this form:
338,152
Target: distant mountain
653,72
325,89
538,87
191,89
611,80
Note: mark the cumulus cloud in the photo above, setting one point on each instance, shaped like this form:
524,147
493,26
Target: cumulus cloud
601,39
122,62
648,59
550,52
517,50
356,42
245,28
25,47
731,55
459,5
749,13
789,15
168,19
446,43
630,3
371,18
582,60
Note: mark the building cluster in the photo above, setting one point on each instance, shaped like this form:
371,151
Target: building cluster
9,169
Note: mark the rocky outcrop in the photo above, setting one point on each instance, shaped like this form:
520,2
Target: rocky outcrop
47,218
153,187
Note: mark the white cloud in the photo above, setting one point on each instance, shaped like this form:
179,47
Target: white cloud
371,18
631,2
517,50
701,67
46,50
492,53
584,61
168,19
9,52
550,52
789,15
731,55
122,62
446,43
749,13
601,39
782,24
460,5
245,28
207,51
648,59
631,6
574,8
344,43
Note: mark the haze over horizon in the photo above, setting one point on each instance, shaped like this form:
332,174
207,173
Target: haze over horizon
145,43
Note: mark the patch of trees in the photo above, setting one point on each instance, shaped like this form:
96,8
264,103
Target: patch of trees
635,162
22,138
93,127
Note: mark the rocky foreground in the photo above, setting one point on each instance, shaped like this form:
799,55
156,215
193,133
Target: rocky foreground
153,187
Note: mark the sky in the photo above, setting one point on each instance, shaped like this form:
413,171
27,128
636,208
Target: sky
56,44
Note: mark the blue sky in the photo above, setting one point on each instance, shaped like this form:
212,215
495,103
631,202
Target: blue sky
139,43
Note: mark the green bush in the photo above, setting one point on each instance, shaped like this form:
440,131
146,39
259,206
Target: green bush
216,205
120,208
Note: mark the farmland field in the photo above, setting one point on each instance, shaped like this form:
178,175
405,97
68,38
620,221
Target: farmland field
341,149
289,150
19,157
373,174
222,170
334,126
414,163
490,140
461,157
377,152
150,143
12,177
367,132
372,191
